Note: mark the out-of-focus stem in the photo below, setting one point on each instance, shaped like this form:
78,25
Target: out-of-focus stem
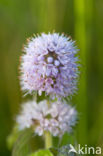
48,136
80,34
48,140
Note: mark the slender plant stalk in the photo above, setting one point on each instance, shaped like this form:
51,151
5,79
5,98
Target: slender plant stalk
48,136
48,140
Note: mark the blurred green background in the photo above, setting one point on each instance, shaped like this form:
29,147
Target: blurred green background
81,19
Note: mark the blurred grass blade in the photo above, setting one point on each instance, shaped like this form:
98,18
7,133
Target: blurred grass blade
80,34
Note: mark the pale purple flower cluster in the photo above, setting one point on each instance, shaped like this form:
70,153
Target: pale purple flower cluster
50,64
55,117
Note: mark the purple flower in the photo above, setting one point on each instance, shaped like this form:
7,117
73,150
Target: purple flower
54,117
50,64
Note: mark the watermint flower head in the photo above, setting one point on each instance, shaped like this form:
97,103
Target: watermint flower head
50,64
55,117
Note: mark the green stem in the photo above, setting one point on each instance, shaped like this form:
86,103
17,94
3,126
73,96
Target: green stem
48,140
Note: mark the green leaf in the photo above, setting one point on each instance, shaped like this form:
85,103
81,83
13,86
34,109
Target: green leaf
27,142
11,139
54,151
22,146
42,153
67,139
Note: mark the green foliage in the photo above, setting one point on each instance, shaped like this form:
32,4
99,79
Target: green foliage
11,139
80,35
42,153
54,151
63,151
67,139
83,21
22,144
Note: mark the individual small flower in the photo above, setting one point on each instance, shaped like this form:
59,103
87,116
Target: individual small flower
50,64
54,117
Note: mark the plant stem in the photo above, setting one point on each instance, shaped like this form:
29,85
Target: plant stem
48,140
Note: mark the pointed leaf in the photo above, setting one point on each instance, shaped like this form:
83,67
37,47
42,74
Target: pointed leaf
42,153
